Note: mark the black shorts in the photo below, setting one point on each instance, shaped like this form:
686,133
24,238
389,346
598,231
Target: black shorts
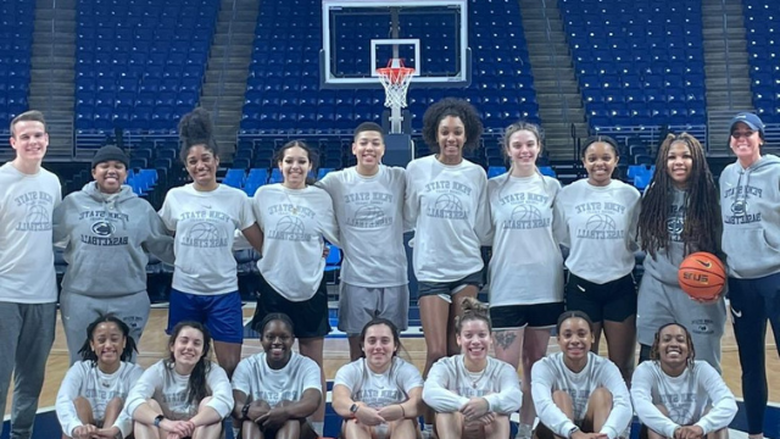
614,301
448,288
539,315
310,317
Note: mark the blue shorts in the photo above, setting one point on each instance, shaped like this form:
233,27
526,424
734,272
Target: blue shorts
221,314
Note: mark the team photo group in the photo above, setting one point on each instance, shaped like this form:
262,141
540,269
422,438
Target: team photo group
561,265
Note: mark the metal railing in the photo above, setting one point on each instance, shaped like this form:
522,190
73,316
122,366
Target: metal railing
653,134
726,44
228,50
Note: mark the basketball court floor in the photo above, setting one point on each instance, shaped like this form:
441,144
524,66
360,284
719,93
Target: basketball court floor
153,347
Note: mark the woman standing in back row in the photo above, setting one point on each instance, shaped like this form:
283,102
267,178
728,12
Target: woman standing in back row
204,216
526,270
446,203
750,207
680,216
598,224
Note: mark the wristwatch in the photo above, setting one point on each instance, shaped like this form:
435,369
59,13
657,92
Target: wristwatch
572,431
244,412
354,408
157,420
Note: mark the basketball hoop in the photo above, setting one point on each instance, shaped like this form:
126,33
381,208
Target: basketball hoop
396,79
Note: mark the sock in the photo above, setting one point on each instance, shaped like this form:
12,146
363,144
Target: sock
524,431
318,427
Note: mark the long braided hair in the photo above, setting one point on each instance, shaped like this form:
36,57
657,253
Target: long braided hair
702,215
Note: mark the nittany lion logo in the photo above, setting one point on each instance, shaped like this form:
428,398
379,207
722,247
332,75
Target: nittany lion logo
675,226
102,228
739,207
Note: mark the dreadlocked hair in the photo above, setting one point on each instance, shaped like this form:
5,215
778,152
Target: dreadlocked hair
196,128
87,354
702,214
197,386
655,354
472,309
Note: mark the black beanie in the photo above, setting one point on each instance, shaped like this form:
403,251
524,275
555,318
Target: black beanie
110,152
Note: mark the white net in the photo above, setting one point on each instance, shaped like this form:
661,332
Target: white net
396,79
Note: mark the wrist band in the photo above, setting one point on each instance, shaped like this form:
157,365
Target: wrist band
403,411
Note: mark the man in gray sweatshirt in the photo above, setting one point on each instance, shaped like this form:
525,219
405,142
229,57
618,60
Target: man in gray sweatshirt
107,231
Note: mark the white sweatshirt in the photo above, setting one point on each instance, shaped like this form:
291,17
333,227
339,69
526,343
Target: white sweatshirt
259,382
171,391
526,267
205,224
294,222
450,386
685,397
369,211
447,205
27,203
98,388
598,225
550,374
378,390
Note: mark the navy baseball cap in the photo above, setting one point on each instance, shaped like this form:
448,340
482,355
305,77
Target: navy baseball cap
749,119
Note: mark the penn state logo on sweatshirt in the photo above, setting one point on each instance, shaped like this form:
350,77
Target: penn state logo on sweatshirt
102,228
603,220
527,211
738,198
675,222
446,199
369,210
38,206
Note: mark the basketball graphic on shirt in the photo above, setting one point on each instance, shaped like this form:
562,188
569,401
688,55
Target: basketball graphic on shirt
448,202
204,230
37,214
600,222
369,213
290,224
680,413
525,212
675,225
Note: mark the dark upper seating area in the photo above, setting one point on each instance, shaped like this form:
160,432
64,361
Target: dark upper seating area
16,34
638,62
140,63
762,25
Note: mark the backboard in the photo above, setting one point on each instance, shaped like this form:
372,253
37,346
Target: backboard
360,36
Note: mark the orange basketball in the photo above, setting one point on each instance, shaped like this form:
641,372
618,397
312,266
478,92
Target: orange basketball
702,275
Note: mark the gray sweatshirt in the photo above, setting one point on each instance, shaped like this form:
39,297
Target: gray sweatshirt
750,206
106,238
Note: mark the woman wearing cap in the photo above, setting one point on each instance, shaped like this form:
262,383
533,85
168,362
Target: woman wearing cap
749,200
107,231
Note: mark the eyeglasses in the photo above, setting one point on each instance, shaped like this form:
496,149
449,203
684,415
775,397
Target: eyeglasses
739,135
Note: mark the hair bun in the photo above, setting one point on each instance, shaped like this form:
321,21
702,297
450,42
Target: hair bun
196,128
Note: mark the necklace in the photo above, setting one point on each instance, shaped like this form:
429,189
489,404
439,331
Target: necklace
293,207
475,381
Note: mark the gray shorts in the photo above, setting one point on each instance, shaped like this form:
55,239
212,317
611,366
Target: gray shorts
358,305
79,311
659,304
446,290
